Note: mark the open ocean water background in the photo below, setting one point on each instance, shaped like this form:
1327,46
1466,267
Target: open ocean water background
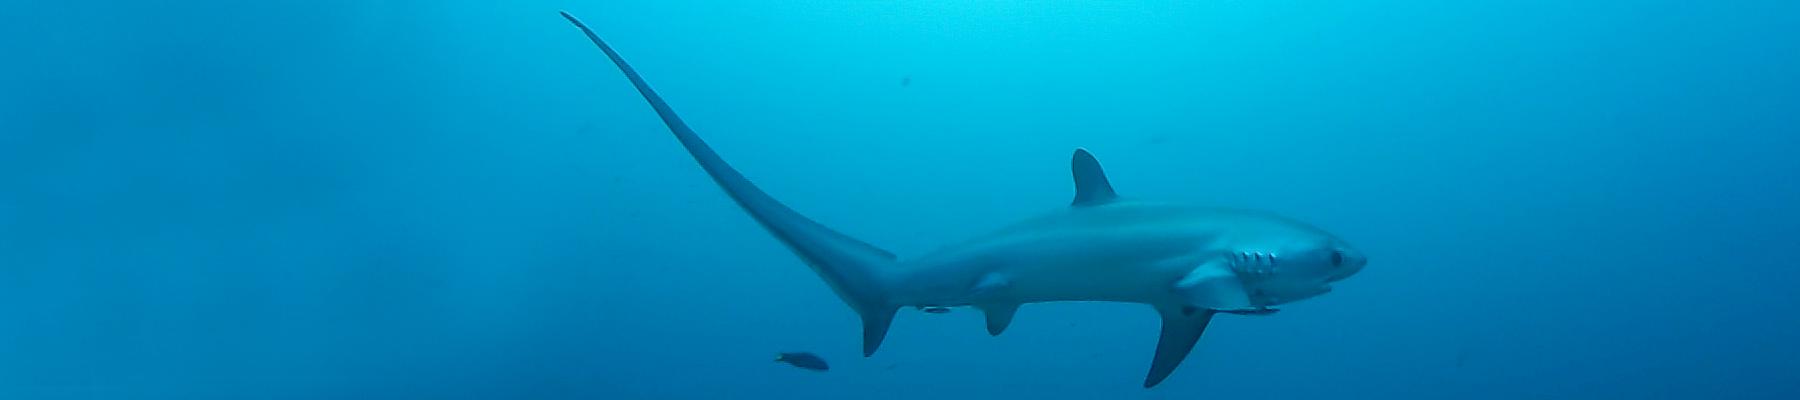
464,200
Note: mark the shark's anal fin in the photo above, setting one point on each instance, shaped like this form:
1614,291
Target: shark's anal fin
1091,185
1181,329
1214,286
999,316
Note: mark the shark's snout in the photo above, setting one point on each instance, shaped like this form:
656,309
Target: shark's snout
1350,262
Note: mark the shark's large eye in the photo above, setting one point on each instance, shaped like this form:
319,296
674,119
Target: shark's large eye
1337,258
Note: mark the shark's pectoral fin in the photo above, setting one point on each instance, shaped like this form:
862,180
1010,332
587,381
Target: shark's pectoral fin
1180,330
1214,286
875,328
999,316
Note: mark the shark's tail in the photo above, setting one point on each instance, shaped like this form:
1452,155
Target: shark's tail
852,268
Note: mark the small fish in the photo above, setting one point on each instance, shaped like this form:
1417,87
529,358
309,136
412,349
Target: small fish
935,309
803,360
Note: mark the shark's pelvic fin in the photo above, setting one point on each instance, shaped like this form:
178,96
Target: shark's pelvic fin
1181,328
875,327
852,268
999,316
1091,186
1214,286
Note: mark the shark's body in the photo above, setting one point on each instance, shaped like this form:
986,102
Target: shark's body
1189,263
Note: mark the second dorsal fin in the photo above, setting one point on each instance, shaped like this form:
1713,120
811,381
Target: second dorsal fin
1091,186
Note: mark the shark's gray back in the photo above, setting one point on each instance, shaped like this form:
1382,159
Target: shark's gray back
1194,225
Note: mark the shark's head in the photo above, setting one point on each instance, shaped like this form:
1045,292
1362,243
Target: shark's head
1298,269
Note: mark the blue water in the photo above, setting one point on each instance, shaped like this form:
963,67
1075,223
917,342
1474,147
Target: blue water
464,200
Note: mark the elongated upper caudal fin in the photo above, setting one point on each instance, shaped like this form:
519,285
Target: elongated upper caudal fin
852,268
1091,185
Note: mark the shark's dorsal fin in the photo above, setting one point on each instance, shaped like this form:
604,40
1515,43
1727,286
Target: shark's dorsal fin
1091,186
